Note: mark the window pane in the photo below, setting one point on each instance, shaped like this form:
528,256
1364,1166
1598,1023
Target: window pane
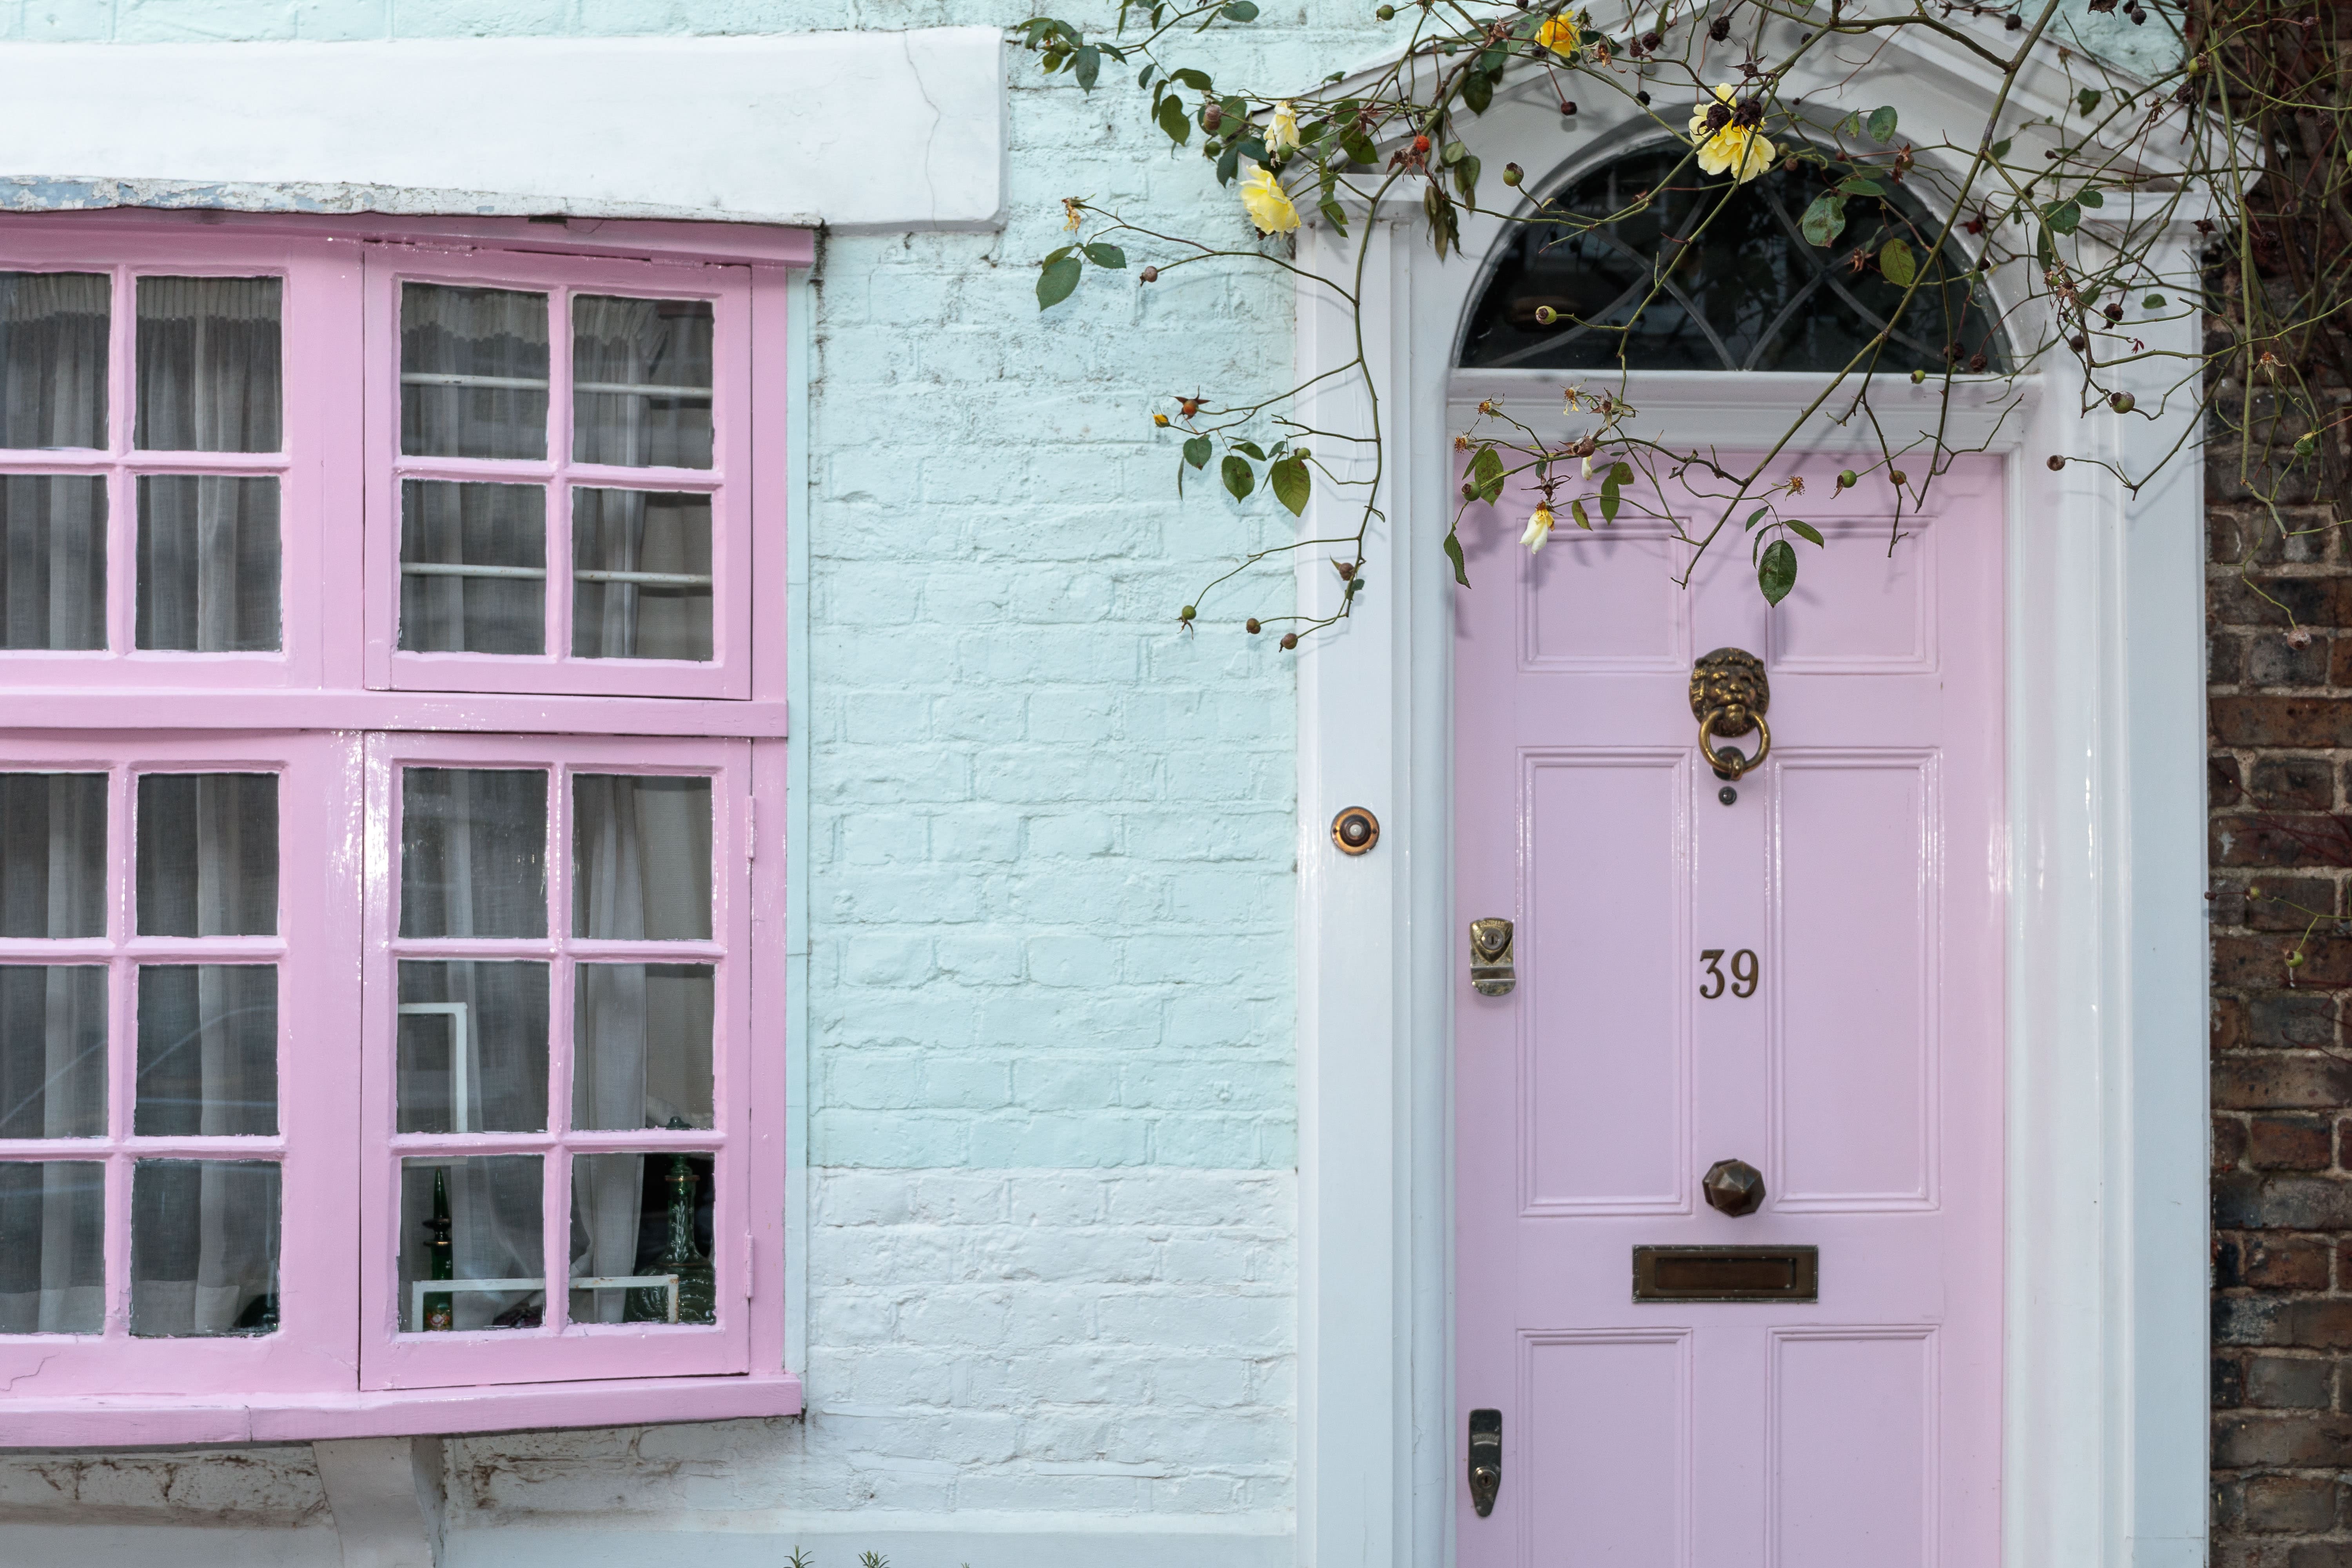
641,574
640,857
208,564
204,1248
641,381
53,1247
53,352
473,852
473,371
473,1048
52,1051
52,562
208,854
641,1217
473,568
472,1219
641,1046
207,1050
208,365
52,855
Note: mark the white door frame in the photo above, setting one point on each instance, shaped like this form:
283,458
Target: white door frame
2104,1336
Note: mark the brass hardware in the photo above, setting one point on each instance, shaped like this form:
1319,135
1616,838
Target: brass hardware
1355,830
1728,696
1727,1274
1491,973
1733,1187
1486,1460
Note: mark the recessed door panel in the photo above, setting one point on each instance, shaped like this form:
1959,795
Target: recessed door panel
1602,1040
1854,1421
1609,1431
1605,602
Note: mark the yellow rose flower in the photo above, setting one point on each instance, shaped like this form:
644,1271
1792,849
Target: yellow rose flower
1268,205
1561,36
1282,129
1741,150
1539,529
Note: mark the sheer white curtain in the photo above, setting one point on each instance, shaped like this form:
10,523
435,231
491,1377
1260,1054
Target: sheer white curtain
210,377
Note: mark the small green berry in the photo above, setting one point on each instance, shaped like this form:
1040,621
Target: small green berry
2121,403
1848,478
1386,13
2305,445
1545,315
1187,613
2295,961
1918,377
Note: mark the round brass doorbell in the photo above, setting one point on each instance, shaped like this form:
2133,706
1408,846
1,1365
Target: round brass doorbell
1355,830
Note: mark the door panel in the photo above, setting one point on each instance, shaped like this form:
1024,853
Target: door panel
1807,979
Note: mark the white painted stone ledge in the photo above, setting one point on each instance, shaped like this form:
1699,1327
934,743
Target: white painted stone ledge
874,132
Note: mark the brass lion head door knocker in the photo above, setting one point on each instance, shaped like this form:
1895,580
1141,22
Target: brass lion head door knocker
1728,697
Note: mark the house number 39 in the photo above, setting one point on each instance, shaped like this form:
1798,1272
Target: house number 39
1743,974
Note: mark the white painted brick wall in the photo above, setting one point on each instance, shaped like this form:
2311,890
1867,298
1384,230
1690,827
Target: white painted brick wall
1051,857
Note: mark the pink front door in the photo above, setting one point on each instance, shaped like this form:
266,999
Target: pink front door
1806,979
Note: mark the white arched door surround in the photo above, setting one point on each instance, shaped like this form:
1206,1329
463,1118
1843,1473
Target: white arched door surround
2104,1340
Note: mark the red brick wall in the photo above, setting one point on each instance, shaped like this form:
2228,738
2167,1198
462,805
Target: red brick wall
2281,719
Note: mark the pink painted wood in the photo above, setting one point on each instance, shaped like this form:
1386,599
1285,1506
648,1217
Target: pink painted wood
308,714
1861,865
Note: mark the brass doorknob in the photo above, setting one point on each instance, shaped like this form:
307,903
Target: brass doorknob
1733,1187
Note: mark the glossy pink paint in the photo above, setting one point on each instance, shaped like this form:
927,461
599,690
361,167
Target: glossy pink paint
1864,1076
326,714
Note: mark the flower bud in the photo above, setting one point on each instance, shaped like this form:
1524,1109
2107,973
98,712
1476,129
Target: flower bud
1212,117
2305,445
1160,420
2121,402
1513,174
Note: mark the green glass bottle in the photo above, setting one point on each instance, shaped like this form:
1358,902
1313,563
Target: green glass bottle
440,1260
698,1285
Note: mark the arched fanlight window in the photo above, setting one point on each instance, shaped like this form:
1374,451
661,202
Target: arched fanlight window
1752,294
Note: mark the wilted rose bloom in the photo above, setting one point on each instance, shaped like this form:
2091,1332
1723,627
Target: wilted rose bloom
1741,150
1539,529
1282,129
1268,205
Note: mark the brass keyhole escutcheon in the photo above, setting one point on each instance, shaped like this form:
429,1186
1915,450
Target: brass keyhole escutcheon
1728,695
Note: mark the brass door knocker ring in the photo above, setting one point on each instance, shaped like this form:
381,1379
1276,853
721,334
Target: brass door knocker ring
1728,695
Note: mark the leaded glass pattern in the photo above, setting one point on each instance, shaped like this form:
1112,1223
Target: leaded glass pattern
1656,266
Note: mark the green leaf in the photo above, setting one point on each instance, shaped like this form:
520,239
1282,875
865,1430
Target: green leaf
1896,262
1807,532
1359,147
1174,120
1105,255
1610,499
1620,473
2089,196
1454,553
1241,10
2153,302
1198,81
2064,217
1055,279
1252,448
1486,474
1143,77
1859,185
1824,220
1465,176
1196,451
1478,90
1455,152
1882,124
1332,214
2088,99
1238,476
1758,515
1576,511
1291,484
2000,148
1777,573
1229,165
1088,66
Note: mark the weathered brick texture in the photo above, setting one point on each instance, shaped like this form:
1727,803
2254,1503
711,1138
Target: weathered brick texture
2280,718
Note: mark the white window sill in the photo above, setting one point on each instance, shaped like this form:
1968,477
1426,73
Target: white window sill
135,1421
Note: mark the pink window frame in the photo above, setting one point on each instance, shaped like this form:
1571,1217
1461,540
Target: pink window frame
311,712
728,482
393,1358
318,915
318,325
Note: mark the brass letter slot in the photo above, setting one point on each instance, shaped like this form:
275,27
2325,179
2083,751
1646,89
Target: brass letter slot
1727,1274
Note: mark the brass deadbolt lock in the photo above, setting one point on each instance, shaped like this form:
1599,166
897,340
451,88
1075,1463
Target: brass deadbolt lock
1355,830
1491,972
